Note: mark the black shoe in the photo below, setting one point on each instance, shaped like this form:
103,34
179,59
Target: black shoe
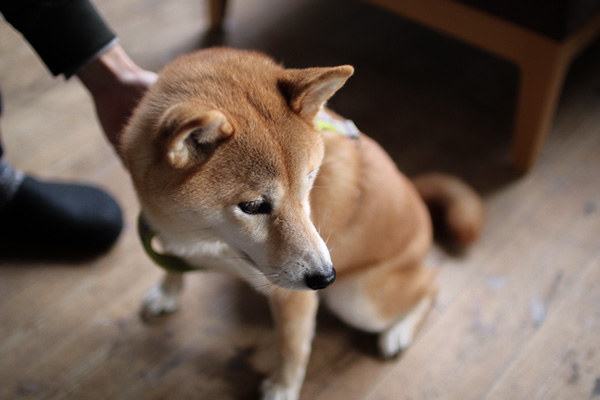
62,218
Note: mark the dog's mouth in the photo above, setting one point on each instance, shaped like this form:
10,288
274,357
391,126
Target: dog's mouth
274,278
316,281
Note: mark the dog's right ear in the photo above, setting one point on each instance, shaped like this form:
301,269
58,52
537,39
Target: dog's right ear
308,89
192,133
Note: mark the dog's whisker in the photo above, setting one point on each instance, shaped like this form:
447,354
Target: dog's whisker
265,286
193,230
318,227
176,213
276,288
192,240
235,258
327,163
322,220
260,275
328,236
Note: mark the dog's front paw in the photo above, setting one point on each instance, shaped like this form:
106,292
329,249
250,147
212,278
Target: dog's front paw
272,390
157,302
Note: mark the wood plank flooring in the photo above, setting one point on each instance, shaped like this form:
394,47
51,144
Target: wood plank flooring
518,315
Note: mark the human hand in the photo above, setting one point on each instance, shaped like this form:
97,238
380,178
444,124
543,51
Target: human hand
116,84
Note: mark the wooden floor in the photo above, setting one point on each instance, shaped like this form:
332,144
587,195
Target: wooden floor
518,315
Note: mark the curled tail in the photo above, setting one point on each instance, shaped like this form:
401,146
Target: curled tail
455,203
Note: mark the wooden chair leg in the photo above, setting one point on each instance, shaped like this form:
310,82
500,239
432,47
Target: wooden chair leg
542,78
543,71
217,13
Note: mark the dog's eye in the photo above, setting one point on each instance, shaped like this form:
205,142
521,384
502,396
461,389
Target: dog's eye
255,207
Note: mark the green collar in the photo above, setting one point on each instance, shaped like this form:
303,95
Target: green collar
167,262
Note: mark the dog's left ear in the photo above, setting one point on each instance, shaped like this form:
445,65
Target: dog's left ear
192,133
308,89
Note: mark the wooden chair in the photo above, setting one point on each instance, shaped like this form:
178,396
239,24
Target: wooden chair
543,55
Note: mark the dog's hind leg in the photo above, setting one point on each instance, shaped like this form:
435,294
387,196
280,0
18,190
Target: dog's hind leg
400,335
390,302
164,297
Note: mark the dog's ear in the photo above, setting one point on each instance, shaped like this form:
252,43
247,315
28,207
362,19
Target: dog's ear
308,89
192,133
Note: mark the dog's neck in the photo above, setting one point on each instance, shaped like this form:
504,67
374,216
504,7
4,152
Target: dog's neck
167,262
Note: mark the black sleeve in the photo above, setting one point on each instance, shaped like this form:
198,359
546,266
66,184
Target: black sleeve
66,34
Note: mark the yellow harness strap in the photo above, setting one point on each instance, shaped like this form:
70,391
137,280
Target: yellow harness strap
345,127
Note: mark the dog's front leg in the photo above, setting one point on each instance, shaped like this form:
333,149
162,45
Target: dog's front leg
294,314
164,297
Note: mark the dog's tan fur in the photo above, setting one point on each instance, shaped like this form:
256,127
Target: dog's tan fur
223,153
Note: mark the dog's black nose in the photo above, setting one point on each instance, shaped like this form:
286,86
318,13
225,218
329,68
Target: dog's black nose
320,280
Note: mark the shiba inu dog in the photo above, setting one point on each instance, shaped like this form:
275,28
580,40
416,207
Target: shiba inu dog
234,174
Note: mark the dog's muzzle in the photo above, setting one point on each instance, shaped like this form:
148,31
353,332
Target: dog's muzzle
320,280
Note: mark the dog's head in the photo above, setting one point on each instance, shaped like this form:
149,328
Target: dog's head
224,145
